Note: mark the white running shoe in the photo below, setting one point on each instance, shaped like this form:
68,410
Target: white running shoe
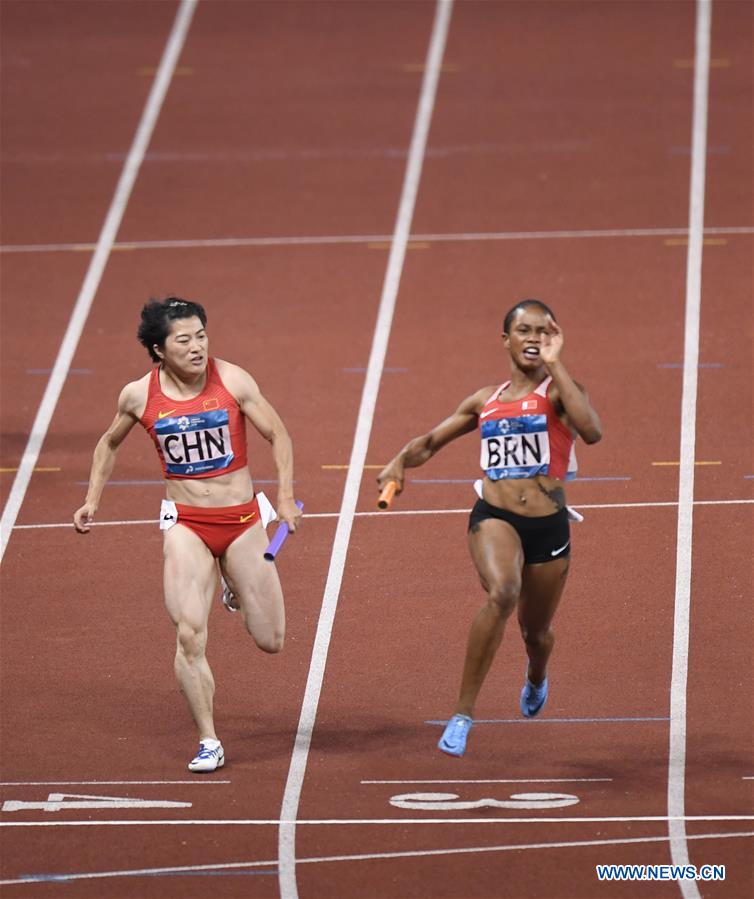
210,757
228,599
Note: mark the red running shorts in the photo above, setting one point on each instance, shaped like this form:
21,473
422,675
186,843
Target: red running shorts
219,526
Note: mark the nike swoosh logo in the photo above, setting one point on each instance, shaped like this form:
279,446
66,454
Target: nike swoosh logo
557,552
165,414
245,518
485,414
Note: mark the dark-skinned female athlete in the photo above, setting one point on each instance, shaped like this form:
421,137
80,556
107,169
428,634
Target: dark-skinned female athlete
518,534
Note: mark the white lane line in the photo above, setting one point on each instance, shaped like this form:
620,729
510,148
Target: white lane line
107,783
342,822
295,779
679,677
371,856
96,268
679,852
100,524
394,512
515,780
325,239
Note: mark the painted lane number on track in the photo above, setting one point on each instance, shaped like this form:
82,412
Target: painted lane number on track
453,802
61,802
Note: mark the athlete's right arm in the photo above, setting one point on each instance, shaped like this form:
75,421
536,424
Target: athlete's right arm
105,452
419,450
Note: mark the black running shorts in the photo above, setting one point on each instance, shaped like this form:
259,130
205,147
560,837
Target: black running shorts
543,539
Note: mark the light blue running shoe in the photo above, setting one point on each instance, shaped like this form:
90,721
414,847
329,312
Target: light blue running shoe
453,740
533,698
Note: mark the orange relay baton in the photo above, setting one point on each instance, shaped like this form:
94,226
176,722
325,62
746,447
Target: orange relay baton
386,497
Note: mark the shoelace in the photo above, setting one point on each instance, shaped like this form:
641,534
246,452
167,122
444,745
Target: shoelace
535,696
205,752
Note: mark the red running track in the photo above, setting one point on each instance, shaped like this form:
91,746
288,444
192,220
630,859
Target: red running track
293,121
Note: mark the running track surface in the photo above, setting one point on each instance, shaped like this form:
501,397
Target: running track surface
293,121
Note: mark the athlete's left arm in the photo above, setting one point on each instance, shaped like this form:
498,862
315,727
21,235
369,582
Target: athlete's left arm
565,394
269,424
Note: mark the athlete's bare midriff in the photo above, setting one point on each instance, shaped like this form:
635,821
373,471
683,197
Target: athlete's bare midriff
222,490
533,497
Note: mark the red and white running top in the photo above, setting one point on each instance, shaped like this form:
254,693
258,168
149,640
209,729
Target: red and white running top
198,438
525,438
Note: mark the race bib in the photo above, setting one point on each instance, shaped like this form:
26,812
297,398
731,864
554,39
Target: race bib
515,447
195,444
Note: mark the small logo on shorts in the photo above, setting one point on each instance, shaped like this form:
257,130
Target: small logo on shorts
557,552
244,518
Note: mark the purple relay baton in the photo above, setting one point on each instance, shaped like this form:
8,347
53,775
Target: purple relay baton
279,539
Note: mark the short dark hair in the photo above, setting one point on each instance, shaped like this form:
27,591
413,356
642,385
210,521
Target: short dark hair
524,304
156,317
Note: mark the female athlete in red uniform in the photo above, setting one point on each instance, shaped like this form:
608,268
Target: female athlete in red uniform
518,530
195,408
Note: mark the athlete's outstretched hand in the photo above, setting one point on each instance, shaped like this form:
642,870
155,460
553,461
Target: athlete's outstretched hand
552,342
393,471
83,517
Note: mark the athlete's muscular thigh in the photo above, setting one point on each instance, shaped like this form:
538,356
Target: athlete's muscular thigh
189,577
497,553
255,584
542,588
